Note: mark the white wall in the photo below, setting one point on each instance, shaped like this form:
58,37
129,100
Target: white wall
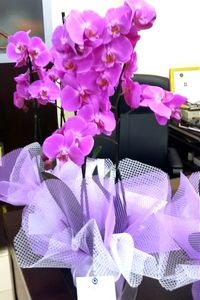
173,41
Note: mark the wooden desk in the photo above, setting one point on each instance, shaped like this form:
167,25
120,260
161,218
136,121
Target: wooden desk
52,284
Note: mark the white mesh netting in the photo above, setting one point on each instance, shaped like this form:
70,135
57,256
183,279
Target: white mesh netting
134,228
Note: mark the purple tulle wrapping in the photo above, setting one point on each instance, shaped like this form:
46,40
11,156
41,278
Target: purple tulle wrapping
95,227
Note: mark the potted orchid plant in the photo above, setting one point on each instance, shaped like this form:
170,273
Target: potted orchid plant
91,58
112,223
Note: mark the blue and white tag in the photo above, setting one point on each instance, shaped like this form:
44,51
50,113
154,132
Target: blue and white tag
97,287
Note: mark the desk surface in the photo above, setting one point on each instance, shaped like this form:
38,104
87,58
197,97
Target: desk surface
185,132
52,284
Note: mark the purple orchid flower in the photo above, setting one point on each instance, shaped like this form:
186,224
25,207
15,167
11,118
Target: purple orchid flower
44,90
22,78
38,52
119,50
21,95
109,78
130,67
132,92
61,40
174,102
52,74
133,36
75,143
118,22
18,100
17,48
83,132
163,103
23,82
70,64
62,148
105,121
94,29
86,27
144,14
78,91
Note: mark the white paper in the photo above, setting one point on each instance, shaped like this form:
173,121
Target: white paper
186,83
96,288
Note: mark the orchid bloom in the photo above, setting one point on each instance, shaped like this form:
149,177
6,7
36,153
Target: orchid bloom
71,65
61,40
104,120
73,143
144,14
38,52
17,48
18,100
83,132
62,148
86,27
132,93
117,51
92,58
164,104
21,95
130,67
21,46
78,91
118,22
109,78
45,91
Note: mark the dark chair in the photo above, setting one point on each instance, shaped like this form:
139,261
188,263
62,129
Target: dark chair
141,137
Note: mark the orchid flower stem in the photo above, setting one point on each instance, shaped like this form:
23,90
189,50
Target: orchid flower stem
84,194
62,116
37,127
84,200
117,133
84,169
63,17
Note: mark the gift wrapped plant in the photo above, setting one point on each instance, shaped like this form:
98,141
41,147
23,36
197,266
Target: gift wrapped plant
97,217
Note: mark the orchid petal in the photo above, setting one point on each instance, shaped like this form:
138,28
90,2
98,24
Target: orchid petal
53,145
122,48
70,99
43,59
74,24
86,144
76,155
87,112
69,138
75,123
132,93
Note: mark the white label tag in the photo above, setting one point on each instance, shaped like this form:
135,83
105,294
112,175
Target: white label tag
98,288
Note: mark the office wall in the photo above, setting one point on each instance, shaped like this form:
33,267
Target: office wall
174,40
